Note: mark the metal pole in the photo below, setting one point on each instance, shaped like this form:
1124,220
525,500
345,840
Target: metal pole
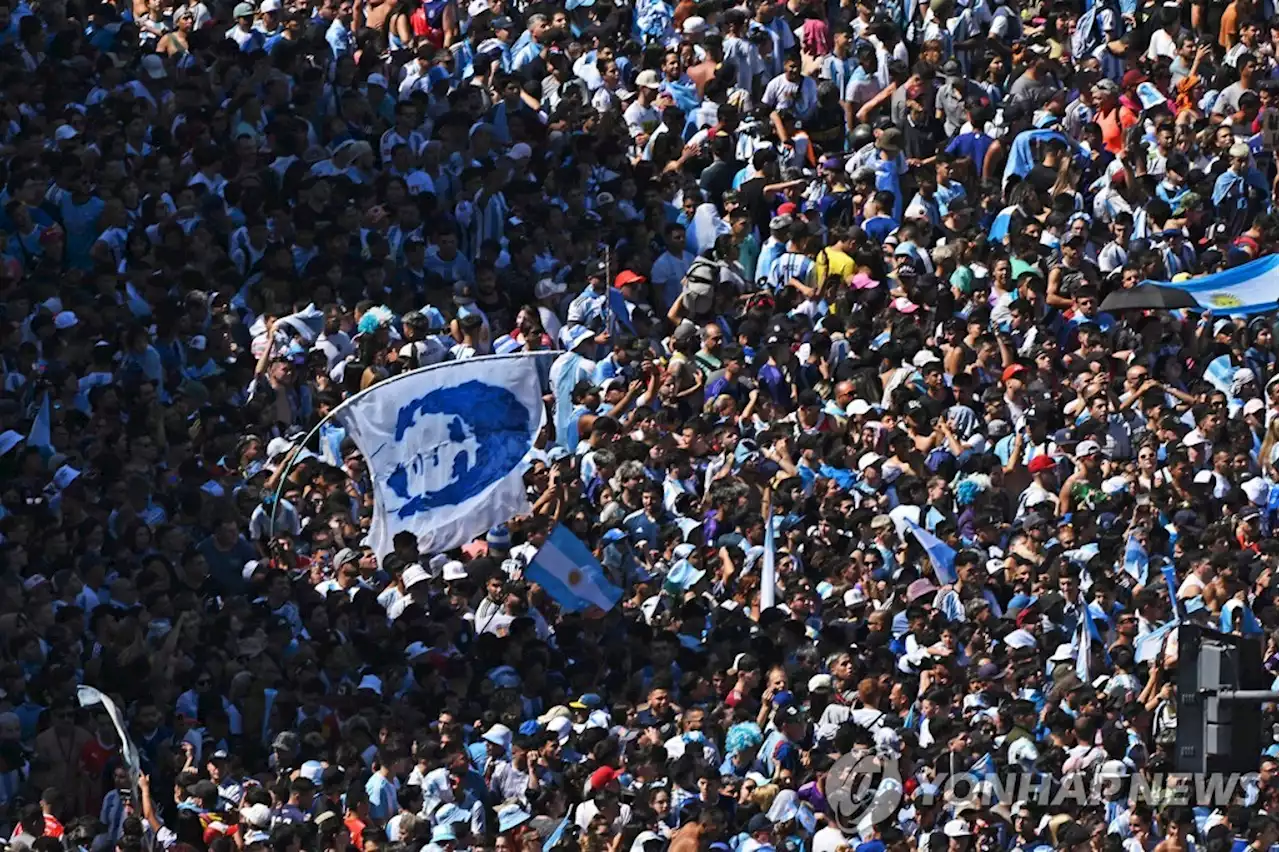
315,430
1262,695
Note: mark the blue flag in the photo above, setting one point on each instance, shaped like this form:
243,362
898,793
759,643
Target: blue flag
41,427
570,573
1092,614
1082,654
619,314
1171,580
941,555
1136,561
554,838
769,571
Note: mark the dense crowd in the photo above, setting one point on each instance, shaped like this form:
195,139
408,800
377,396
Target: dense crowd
838,269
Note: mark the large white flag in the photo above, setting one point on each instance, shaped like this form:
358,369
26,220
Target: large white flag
445,447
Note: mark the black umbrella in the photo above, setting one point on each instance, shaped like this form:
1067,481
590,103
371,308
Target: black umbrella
1148,297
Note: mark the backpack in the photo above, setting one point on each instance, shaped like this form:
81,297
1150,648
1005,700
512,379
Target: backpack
1088,37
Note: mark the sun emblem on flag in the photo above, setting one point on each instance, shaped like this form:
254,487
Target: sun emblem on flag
1225,300
575,577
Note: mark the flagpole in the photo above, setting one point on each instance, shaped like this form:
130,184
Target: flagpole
315,430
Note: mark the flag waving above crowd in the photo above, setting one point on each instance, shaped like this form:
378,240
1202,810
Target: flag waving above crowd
639,426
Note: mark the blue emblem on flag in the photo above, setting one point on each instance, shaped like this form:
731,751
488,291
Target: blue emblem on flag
467,437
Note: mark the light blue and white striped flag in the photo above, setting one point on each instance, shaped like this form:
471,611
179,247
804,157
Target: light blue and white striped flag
1148,646
1249,288
554,839
1171,581
445,446
941,555
571,574
1092,614
1085,647
1136,561
1219,372
87,696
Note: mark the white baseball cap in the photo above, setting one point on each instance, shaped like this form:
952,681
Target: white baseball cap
1087,448
869,460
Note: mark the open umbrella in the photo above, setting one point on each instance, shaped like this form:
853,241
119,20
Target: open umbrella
1148,297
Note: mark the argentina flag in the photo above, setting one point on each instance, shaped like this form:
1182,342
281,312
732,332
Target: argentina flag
1220,372
571,575
769,569
1084,648
1136,561
1249,288
445,447
1149,645
941,555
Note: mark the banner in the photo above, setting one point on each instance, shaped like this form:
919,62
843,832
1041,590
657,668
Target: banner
445,447
88,696
1251,288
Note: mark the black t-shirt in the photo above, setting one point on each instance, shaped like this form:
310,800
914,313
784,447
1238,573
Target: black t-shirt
717,178
1042,177
826,126
306,217
935,407
497,307
751,194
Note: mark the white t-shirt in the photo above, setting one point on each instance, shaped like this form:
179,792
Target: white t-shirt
641,118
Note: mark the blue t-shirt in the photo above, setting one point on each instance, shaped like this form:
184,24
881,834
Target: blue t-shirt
80,222
383,802
878,227
971,145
